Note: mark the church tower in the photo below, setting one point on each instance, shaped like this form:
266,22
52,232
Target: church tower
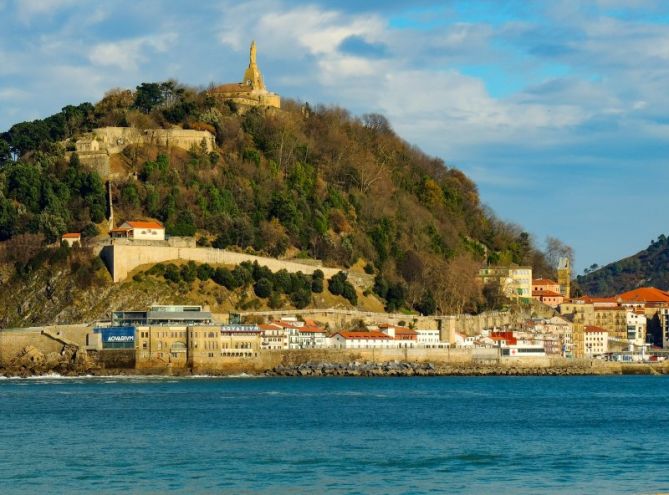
252,75
564,277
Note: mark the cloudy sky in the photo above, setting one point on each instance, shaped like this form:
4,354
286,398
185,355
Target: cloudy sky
557,109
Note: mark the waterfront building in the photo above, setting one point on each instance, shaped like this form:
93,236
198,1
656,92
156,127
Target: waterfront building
162,345
213,346
163,315
364,340
595,341
273,337
311,337
404,336
636,328
428,337
515,282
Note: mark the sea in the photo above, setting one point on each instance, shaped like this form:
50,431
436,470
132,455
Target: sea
248,435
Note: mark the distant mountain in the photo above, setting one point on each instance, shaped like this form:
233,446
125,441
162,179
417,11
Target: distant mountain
649,267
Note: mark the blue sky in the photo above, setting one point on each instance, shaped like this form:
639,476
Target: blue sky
557,109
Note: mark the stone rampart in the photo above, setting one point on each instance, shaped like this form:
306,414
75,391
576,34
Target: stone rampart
95,148
122,258
116,139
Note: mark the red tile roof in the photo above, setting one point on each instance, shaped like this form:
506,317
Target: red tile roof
645,294
543,281
310,329
364,335
594,329
140,224
546,293
72,235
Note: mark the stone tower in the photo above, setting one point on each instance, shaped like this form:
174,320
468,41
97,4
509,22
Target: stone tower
564,277
252,75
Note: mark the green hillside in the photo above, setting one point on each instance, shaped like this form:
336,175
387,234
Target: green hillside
303,181
649,267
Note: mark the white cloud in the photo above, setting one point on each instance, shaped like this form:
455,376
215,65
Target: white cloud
28,9
13,94
128,54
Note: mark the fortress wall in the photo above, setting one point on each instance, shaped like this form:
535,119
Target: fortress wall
123,258
116,139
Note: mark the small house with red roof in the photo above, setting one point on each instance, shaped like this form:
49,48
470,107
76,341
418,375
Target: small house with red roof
71,238
144,230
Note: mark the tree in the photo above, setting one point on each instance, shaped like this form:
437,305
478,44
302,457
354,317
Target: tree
336,284
349,293
556,249
301,298
189,272
316,285
427,305
263,288
148,96
5,152
205,271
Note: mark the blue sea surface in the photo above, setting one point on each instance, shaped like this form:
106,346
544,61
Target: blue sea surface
469,435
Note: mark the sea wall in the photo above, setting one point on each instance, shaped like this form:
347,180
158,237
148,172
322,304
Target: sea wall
44,339
122,258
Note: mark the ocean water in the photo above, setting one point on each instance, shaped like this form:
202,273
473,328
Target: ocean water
470,435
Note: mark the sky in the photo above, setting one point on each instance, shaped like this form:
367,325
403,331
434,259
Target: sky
557,109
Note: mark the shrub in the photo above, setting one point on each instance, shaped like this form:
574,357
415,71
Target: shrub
317,285
189,272
349,293
205,272
172,273
263,288
301,298
336,283
223,276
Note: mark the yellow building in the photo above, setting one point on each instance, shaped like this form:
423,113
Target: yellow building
161,346
251,92
216,346
515,282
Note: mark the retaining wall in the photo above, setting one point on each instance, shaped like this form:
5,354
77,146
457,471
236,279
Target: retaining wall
121,259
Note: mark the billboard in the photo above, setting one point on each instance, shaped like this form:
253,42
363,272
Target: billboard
117,337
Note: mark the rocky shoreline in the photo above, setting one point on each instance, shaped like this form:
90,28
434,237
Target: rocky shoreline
69,363
401,368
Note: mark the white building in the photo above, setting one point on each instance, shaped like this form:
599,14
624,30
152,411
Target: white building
595,340
636,329
309,337
427,337
273,337
140,230
364,340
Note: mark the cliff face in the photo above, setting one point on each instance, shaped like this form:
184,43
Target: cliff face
649,267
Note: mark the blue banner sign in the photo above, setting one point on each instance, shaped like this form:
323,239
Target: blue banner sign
118,335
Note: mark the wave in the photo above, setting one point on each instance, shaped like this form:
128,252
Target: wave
114,378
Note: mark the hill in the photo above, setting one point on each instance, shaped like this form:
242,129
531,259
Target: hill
296,182
649,267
